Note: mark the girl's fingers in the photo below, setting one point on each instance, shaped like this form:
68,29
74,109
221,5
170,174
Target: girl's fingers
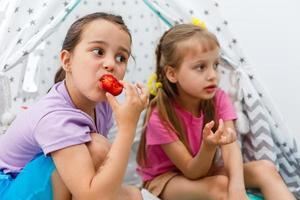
129,89
232,134
228,137
207,128
135,90
219,132
224,140
112,101
136,94
143,93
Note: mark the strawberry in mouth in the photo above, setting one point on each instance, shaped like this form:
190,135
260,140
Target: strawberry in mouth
110,84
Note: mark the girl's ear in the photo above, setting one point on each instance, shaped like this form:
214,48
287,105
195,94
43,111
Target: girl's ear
171,74
65,60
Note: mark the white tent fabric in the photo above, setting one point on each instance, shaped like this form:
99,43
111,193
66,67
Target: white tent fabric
24,26
31,35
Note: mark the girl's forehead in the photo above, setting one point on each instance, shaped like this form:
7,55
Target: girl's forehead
201,44
194,49
105,30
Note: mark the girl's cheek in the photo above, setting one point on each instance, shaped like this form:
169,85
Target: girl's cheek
121,75
122,69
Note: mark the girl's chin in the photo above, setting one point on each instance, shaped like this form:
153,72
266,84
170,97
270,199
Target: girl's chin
99,97
208,96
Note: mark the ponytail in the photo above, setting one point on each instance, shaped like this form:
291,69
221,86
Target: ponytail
60,75
209,111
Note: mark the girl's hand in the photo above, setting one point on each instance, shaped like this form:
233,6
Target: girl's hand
137,98
220,137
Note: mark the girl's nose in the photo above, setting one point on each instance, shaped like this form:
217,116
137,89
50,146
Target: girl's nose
212,74
109,67
109,64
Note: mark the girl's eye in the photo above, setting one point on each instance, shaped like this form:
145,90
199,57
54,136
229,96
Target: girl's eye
200,67
98,51
216,65
120,58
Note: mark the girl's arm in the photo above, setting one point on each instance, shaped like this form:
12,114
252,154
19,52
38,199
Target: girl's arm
198,166
77,170
191,167
75,166
233,163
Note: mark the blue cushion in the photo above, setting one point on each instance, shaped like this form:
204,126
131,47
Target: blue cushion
252,196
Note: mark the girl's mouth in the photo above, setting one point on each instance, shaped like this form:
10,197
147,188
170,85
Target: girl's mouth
210,89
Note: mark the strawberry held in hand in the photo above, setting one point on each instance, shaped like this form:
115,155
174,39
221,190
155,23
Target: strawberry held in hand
110,84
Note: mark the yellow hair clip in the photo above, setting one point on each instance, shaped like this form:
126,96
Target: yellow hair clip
198,22
153,85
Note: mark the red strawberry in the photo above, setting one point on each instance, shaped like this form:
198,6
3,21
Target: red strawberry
110,84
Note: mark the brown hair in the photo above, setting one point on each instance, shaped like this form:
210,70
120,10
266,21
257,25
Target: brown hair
169,53
73,35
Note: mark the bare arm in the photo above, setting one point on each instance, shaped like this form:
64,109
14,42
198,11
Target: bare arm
75,165
191,167
198,166
233,163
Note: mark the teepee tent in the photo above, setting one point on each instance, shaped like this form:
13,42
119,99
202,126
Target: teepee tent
31,34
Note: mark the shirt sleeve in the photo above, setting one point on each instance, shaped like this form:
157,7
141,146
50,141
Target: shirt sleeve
157,132
105,119
60,129
225,109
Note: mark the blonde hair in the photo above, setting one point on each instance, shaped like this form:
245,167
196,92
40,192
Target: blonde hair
168,53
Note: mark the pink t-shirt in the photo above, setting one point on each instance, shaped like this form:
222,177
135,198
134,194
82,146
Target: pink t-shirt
157,134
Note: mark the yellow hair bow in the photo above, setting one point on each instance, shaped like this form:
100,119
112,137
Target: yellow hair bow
153,85
198,22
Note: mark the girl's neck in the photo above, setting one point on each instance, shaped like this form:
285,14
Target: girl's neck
190,105
79,101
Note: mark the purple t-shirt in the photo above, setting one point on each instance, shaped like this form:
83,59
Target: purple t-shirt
52,123
157,134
